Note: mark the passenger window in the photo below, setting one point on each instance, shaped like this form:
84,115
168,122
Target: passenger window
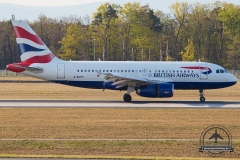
81,70
92,70
121,70
103,70
140,71
125,70
85,70
88,70
107,70
110,70
129,71
132,70
217,71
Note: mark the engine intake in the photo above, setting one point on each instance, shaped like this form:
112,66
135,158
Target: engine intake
156,90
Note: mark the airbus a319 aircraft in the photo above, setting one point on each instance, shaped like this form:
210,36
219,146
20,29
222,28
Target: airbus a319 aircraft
148,79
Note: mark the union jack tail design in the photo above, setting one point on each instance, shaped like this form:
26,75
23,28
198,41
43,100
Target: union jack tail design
31,47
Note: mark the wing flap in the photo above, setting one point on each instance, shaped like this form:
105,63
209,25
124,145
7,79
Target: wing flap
123,80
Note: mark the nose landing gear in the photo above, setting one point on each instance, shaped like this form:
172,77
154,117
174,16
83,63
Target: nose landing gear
202,98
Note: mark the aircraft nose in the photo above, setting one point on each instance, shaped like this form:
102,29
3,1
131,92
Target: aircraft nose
233,79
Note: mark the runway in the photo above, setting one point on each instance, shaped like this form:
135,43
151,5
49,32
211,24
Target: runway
117,104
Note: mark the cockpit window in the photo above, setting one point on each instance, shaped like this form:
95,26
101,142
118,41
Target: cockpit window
221,71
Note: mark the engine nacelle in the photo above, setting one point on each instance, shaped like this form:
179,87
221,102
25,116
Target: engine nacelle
156,90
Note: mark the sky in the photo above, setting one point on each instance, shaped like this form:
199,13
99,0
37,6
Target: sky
49,2
76,2
31,9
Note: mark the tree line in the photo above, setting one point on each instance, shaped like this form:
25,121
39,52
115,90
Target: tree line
135,32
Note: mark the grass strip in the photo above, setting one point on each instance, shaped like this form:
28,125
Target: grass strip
131,149
109,157
52,91
114,123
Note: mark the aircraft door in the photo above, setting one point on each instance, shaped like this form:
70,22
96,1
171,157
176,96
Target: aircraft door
203,72
144,71
60,71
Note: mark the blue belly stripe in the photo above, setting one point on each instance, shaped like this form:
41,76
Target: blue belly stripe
177,85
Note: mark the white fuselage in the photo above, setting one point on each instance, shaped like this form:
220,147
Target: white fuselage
68,72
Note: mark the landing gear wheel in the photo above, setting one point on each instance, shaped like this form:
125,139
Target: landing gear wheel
202,99
127,98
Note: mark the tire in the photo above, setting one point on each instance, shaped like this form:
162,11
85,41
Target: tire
202,99
127,98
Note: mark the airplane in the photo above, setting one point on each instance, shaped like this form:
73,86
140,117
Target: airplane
215,136
148,79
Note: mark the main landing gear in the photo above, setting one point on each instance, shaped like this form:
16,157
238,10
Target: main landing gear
202,98
127,97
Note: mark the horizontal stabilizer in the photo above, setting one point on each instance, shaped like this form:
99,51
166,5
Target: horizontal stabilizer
22,68
31,69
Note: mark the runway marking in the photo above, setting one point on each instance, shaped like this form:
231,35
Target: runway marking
117,104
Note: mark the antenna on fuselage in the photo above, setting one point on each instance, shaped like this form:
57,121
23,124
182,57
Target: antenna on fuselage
99,59
199,60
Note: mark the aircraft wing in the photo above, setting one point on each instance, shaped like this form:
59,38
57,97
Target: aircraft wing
123,80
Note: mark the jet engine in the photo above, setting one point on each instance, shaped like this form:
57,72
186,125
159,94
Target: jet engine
156,90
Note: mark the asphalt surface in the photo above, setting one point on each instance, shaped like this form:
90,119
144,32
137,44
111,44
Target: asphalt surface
118,104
